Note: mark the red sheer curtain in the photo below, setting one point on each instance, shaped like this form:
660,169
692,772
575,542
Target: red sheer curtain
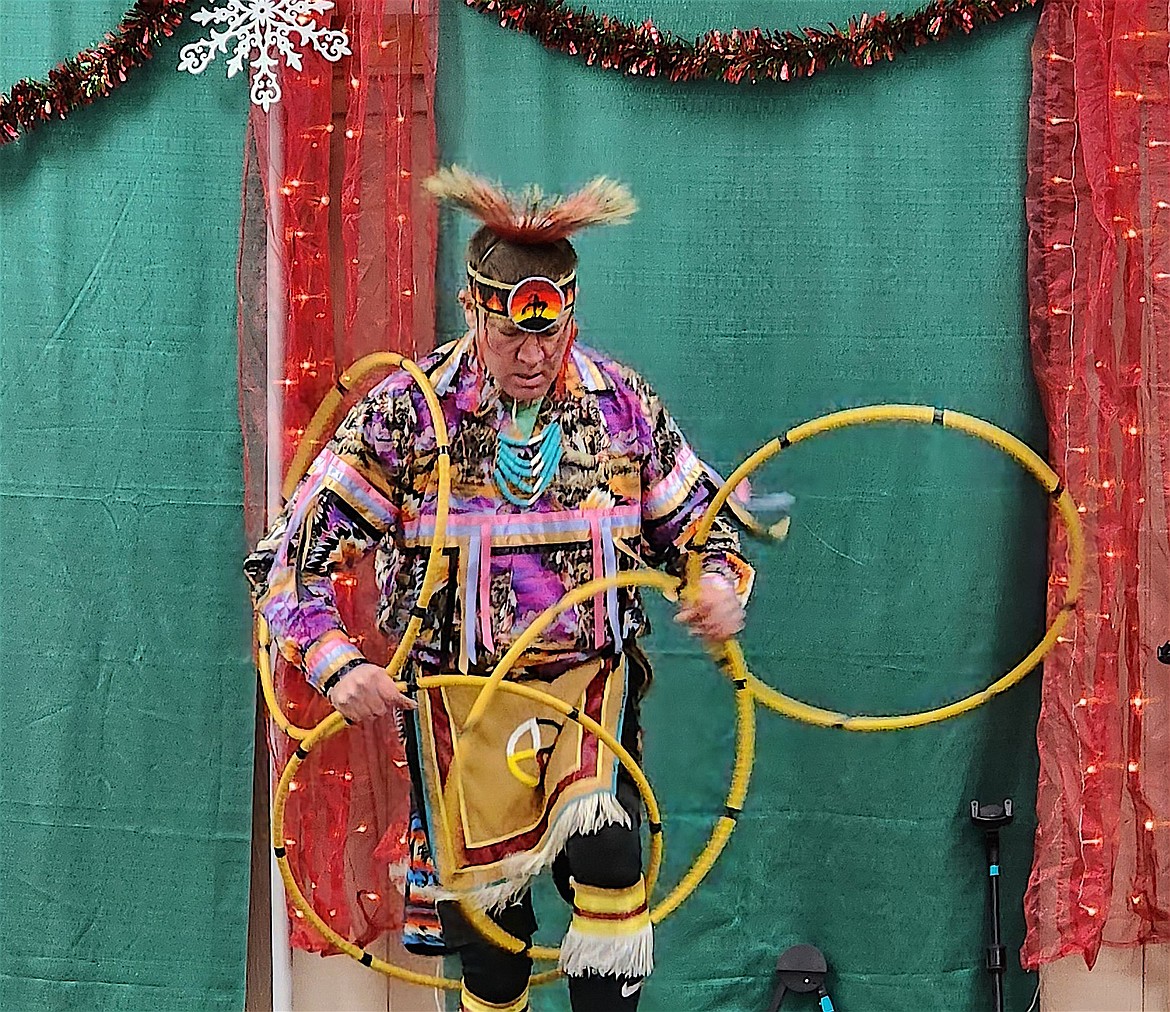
1099,278
337,261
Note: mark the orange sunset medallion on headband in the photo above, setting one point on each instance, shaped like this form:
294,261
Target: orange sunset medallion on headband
536,304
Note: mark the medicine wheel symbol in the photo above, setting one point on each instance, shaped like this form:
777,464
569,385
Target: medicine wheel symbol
537,753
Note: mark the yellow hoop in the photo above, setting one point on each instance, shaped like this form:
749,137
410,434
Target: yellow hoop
321,418
923,415
731,659
335,723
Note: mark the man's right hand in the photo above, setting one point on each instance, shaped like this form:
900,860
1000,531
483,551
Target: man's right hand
367,691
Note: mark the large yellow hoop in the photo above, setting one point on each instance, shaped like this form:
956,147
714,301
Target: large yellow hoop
922,415
321,419
335,723
730,657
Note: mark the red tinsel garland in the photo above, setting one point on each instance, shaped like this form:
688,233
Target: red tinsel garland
92,73
751,54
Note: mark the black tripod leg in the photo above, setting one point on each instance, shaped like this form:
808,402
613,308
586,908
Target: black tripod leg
778,997
996,953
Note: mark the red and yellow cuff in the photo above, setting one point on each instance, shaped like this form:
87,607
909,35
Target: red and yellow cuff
610,912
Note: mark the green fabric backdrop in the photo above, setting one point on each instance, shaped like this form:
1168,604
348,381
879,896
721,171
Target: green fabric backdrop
127,707
854,239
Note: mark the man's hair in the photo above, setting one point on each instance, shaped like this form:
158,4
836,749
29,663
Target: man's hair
510,262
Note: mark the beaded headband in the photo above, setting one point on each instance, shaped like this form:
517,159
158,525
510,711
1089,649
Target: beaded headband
533,304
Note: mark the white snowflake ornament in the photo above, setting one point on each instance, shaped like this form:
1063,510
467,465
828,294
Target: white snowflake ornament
265,27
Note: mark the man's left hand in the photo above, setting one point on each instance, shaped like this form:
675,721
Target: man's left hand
714,611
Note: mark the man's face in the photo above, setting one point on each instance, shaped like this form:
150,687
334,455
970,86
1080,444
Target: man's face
523,364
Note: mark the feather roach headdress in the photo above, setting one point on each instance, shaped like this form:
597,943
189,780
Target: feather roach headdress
529,219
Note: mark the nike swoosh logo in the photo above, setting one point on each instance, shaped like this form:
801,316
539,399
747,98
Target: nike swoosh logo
629,989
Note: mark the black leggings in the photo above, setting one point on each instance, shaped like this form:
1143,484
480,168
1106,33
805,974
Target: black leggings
608,859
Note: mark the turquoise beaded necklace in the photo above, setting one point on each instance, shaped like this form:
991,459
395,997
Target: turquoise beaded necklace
527,464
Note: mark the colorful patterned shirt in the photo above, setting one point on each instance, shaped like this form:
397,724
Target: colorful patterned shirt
629,492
